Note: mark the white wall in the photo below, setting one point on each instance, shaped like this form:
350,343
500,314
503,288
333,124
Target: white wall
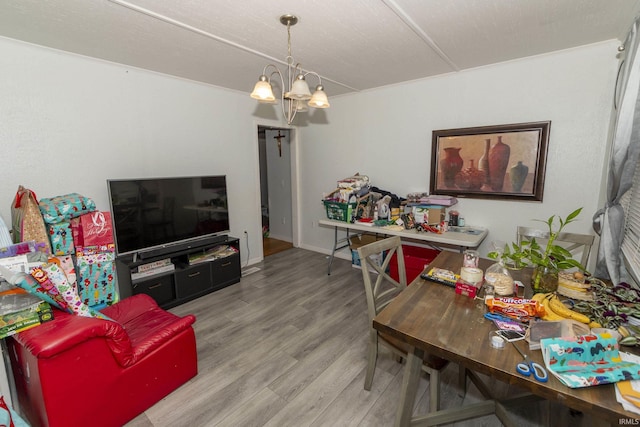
386,134
69,123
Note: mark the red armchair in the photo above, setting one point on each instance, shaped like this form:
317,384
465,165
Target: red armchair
79,371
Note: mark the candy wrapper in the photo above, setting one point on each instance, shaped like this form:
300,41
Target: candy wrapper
520,309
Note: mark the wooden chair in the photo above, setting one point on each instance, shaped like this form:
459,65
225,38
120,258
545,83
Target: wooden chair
577,244
380,290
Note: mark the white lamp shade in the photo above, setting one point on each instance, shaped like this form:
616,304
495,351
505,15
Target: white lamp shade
263,92
301,107
319,99
299,90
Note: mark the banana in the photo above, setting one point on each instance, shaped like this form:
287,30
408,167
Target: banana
594,324
560,309
623,331
539,297
549,315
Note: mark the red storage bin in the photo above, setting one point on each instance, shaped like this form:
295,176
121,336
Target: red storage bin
415,259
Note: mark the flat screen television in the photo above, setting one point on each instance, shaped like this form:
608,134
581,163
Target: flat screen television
153,213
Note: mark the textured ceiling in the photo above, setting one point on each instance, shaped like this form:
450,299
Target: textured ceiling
353,44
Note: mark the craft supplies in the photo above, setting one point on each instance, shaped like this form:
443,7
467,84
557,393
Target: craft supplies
453,218
488,293
496,341
467,289
529,367
471,275
442,276
470,258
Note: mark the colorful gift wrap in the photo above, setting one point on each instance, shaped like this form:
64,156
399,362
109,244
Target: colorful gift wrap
97,280
66,264
93,250
61,238
587,360
39,284
63,208
67,290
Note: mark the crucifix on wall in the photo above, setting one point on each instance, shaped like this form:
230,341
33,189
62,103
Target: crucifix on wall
279,138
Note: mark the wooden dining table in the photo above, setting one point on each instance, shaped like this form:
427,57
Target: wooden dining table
432,318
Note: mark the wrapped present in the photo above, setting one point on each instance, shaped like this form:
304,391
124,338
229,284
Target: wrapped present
76,232
63,208
61,238
97,280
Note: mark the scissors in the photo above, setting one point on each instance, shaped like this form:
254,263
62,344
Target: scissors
529,367
496,316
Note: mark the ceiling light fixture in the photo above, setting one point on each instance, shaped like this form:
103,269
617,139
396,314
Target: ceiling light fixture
296,91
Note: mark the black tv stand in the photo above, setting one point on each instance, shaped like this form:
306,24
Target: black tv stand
180,280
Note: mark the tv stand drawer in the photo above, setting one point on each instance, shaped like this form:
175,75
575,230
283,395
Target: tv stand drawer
160,289
226,270
193,280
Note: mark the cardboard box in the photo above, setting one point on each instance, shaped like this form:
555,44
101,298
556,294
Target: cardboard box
430,214
358,241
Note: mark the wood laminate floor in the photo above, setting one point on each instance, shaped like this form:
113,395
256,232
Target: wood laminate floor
287,347
271,246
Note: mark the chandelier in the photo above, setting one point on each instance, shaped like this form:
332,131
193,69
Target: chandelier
295,94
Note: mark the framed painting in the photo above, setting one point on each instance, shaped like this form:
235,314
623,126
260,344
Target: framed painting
490,162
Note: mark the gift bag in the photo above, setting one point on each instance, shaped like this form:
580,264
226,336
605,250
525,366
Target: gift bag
27,221
96,229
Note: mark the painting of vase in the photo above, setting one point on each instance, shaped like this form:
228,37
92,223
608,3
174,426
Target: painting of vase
518,175
498,162
450,165
490,162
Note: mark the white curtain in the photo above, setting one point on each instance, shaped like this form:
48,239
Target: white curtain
608,222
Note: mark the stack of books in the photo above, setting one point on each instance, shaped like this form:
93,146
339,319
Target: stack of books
152,268
221,251
20,310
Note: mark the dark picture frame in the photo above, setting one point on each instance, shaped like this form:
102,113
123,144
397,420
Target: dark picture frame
491,162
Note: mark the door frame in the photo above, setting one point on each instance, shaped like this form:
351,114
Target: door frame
295,177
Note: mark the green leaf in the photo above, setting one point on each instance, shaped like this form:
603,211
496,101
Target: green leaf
573,215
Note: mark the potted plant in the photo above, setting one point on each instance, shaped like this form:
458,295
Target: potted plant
546,260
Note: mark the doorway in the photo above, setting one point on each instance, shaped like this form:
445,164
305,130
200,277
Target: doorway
275,189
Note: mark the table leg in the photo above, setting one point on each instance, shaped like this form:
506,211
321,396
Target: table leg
409,389
336,247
